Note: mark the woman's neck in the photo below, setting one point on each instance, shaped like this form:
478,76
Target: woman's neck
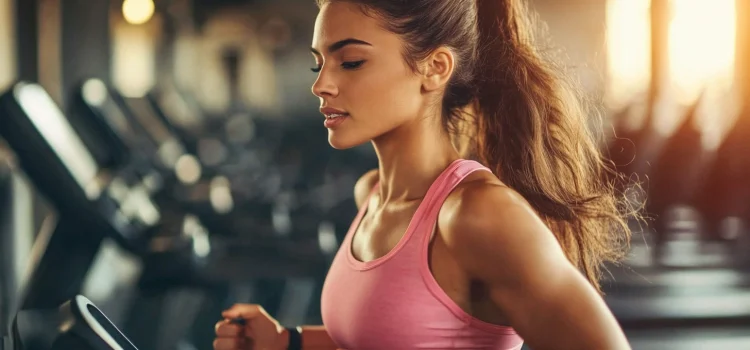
410,158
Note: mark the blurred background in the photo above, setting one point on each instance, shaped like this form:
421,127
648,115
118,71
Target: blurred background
166,159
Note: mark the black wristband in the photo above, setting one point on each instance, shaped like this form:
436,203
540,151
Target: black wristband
295,338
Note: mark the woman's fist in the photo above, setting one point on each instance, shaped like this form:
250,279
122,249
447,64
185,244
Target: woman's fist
249,327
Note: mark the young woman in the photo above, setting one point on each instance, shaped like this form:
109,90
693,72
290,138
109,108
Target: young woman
447,253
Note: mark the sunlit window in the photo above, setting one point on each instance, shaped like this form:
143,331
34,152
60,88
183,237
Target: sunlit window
133,57
701,62
628,50
701,46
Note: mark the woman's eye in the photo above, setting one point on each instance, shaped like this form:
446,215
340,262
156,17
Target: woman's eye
345,65
352,65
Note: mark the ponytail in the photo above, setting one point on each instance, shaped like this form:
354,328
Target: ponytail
533,133
508,107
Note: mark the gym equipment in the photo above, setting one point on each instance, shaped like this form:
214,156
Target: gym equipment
698,338
181,181
179,257
76,324
90,203
676,173
165,278
643,296
722,198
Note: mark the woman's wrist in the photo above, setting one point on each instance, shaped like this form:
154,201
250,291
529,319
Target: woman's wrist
293,338
283,338
290,338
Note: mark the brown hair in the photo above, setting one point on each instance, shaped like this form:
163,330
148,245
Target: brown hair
522,118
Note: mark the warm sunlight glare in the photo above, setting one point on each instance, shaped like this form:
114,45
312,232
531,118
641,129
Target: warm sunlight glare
628,50
701,47
133,59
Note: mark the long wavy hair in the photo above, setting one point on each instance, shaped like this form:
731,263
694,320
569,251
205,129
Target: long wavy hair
513,109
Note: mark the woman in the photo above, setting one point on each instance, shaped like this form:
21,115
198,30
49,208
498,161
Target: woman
445,254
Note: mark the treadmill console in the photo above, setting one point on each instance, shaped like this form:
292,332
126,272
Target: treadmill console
49,120
76,324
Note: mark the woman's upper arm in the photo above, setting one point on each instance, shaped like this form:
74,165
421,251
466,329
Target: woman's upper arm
499,240
364,186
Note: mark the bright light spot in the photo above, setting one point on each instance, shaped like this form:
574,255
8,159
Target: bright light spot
95,92
701,46
281,219
147,212
118,190
137,204
327,237
221,195
628,50
170,152
188,169
138,11
133,59
193,228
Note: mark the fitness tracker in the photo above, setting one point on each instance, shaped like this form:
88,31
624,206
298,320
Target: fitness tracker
295,338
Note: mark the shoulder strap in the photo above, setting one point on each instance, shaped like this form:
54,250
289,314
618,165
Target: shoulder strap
444,185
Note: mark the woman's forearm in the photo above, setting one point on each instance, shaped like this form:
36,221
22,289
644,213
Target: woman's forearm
316,338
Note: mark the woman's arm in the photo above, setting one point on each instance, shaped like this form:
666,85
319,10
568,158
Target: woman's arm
497,238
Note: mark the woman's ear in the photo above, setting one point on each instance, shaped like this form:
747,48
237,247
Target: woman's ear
437,69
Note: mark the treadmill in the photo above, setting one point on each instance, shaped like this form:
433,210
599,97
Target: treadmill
91,203
173,279
180,180
75,324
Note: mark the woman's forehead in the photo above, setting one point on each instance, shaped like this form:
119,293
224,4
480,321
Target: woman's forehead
343,20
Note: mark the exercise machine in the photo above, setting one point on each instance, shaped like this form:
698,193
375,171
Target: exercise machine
75,324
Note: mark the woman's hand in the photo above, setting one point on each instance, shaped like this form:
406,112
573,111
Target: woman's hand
249,327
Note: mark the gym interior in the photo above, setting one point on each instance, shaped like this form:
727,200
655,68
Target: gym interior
161,160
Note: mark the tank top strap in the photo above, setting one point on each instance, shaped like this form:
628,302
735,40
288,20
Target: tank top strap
426,215
440,190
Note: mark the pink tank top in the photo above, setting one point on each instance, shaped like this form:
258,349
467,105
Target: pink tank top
394,302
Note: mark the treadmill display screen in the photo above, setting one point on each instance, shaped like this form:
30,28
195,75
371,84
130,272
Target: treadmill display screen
54,127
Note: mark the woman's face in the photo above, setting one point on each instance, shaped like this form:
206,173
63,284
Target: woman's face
365,87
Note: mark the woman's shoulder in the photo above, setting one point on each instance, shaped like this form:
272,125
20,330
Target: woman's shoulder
485,224
481,192
482,208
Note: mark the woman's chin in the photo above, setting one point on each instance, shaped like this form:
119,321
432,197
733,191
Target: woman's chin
340,142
